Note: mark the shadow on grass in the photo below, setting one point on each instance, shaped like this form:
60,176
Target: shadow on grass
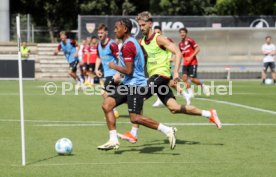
154,148
195,143
47,158
146,150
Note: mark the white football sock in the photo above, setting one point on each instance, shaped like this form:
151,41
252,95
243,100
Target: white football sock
190,91
92,80
134,131
164,129
184,93
206,114
113,135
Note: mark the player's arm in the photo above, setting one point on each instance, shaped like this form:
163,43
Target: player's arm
87,52
97,65
172,58
163,41
124,70
189,59
74,43
57,49
265,52
29,51
128,52
115,50
273,52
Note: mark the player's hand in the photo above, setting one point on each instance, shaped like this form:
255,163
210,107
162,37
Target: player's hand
176,77
111,65
99,73
117,77
55,53
187,59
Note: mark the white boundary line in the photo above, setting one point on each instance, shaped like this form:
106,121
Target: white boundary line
173,124
49,123
238,105
72,123
121,163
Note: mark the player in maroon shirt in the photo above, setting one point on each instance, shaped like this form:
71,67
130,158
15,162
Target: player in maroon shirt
190,49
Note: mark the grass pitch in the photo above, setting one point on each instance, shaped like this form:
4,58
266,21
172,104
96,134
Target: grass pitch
244,147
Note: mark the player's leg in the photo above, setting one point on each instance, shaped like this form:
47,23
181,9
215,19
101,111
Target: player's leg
113,100
273,73
193,77
153,83
185,78
73,70
109,86
264,71
91,74
177,87
167,97
85,69
82,78
157,103
135,105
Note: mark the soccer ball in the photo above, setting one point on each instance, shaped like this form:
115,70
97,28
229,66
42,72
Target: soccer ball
64,146
268,81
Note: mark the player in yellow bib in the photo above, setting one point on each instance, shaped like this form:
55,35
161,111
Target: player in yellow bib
171,57
157,48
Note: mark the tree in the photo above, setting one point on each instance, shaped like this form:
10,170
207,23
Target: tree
127,7
245,7
56,14
187,7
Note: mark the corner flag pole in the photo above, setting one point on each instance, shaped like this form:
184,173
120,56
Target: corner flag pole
21,91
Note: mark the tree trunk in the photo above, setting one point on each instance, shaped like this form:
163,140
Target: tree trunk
51,30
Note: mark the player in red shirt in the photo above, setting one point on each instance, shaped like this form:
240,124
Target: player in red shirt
85,61
189,49
91,62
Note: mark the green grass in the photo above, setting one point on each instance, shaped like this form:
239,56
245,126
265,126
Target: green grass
243,149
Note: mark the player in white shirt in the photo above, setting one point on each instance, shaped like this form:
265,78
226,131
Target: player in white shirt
269,51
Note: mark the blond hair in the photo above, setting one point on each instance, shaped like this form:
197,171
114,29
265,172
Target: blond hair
145,16
62,33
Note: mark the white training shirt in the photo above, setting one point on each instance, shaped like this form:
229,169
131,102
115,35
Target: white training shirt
268,48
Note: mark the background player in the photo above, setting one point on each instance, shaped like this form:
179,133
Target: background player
269,51
85,62
107,52
91,60
190,49
69,48
80,56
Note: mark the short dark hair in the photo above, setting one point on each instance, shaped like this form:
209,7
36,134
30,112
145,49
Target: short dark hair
268,37
183,29
102,26
127,23
93,37
158,27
